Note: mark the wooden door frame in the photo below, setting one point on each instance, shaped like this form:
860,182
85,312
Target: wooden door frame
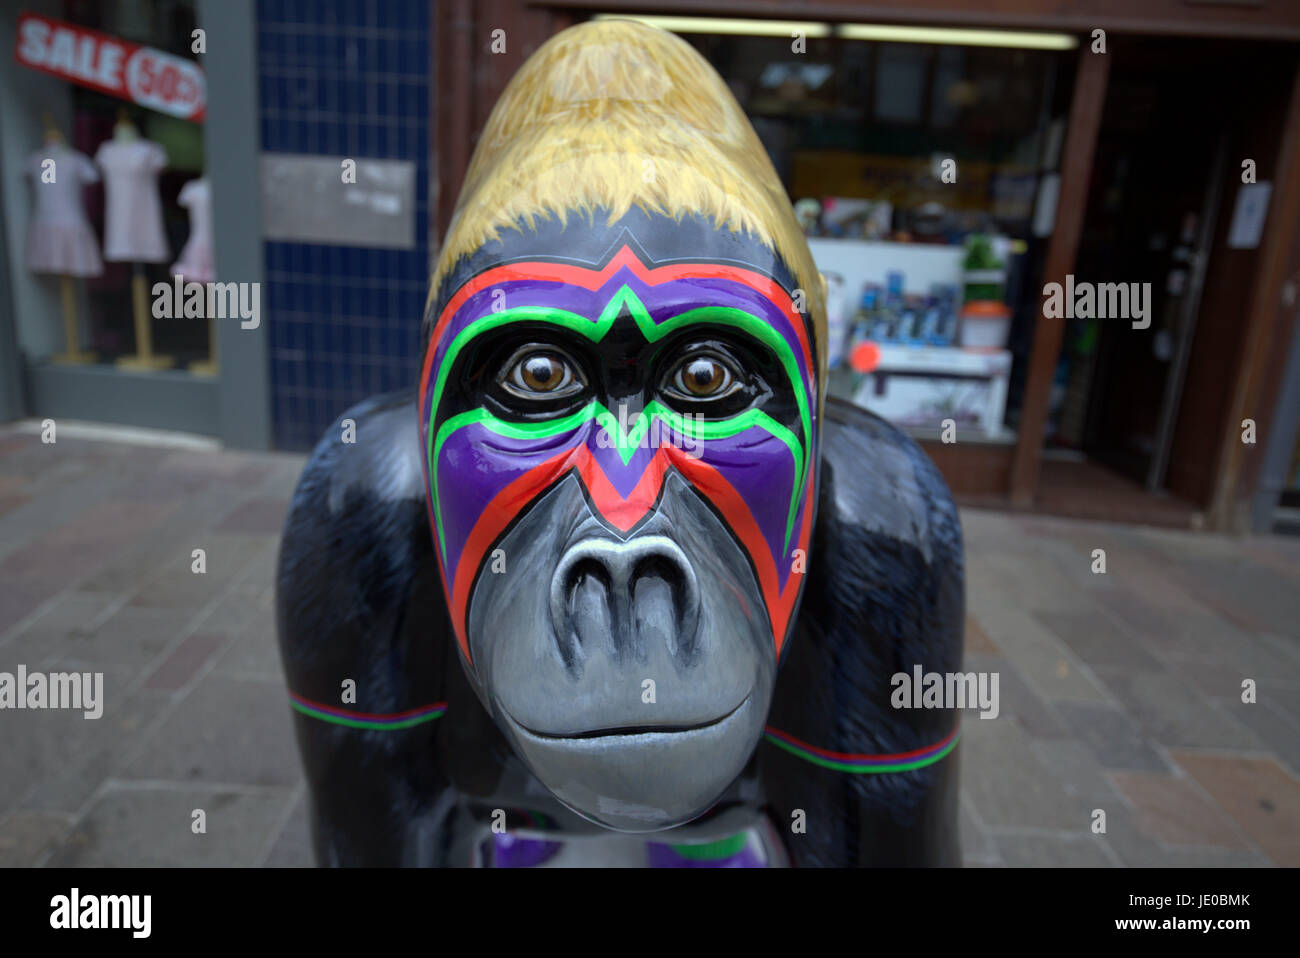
1256,382
470,78
1092,75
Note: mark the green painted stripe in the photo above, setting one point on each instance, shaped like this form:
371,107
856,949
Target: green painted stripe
595,331
366,723
858,769
626,446
712,851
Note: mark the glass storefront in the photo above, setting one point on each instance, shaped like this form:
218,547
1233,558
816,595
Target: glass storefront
154,162
106,199
924,175
150,191
924,163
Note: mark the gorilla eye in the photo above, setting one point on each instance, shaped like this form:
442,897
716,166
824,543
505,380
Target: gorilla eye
703,377
541,373
534,373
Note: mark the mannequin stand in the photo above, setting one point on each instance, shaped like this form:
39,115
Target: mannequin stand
209,366
73,355
144,357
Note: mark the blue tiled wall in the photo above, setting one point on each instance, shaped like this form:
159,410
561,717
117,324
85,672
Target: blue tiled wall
343,78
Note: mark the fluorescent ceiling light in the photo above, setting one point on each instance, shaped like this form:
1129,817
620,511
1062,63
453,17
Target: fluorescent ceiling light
960,37
883,33
750,28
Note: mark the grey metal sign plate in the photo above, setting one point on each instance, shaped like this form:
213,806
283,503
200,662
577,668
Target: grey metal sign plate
305,200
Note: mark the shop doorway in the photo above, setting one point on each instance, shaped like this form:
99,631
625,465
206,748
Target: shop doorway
1132,391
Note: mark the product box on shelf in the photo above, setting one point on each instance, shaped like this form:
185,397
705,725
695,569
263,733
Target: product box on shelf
921,386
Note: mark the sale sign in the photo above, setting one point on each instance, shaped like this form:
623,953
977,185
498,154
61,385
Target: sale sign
143,75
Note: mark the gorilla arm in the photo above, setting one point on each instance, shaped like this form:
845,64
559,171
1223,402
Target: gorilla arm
885,592
359,599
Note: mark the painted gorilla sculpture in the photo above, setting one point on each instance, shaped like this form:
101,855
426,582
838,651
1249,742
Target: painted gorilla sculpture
676,577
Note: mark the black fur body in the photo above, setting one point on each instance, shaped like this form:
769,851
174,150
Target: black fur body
359,598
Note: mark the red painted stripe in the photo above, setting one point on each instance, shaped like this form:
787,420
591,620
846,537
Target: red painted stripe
370,716
780,604
624,514
862,757
495,517
591,279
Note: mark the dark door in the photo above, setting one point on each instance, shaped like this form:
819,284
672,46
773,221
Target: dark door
1150,219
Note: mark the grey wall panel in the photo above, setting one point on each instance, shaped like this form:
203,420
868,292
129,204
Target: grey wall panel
158,400
305,200
231,144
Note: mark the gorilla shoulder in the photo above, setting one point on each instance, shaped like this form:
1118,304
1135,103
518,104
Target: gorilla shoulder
356,528
377,457
879,480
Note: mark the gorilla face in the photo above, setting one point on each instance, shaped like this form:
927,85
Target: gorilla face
621,462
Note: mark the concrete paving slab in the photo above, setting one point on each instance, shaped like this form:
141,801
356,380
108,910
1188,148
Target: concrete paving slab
141,825
1119,692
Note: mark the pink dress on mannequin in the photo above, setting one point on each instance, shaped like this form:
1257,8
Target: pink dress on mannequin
59,237
133,224
195,263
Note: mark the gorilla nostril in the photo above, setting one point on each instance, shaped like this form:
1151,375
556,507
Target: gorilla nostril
588,591
658,566
627,597
586,573
655,611
664,599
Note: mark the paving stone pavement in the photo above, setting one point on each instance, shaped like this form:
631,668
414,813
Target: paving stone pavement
1121,693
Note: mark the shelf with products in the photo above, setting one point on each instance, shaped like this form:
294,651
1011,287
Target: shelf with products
933,392
908,341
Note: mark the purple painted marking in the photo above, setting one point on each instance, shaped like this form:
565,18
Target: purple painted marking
475,464
755,462
622,477
509,851
661,301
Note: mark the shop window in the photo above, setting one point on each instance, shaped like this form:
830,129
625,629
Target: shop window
917,170
141,212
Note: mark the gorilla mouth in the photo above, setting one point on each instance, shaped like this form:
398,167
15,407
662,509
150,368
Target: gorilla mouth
640,778
625,732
